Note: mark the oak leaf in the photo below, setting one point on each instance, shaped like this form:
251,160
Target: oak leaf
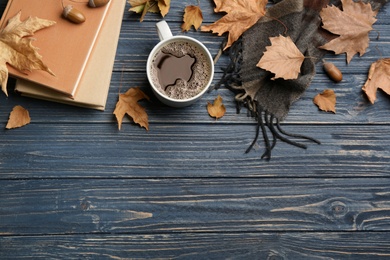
18,117
128,104
352,24
217,109
378,77
326,101
240,16
17,49
282,58
192,17
149,6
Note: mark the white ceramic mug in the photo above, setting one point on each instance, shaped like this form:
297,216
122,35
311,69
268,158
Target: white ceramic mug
166,38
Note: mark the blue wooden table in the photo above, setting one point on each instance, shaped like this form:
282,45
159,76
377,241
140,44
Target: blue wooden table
73,186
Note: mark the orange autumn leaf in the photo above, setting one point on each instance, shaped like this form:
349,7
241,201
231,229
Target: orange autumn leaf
217,109
326,101
192,17
378,77
240,16
18,117
282,58
352,24
128,104
17,49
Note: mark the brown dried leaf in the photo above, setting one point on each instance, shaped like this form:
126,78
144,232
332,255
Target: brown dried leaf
326,101
282,58
192,17
217,109
241,15
149,6
143,7
378,77
352,24
138,6
17,49
128,104
18,117
164,6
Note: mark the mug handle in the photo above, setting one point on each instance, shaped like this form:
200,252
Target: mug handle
163,30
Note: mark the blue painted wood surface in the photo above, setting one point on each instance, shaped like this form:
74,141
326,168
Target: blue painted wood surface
73,186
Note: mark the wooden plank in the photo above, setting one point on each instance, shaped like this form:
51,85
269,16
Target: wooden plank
313,245
136,206
100,150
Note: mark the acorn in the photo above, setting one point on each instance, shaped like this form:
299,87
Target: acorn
97,3
73,15
332,71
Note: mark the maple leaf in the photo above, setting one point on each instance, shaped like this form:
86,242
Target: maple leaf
282,58
192,17
378,77
18,117
241,15
151,6
326,101
128,104
217,109
17,49
352,25
164,6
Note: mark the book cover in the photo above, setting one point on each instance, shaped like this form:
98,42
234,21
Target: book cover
95,81
65,47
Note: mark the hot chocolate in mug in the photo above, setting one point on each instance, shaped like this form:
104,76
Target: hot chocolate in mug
180,69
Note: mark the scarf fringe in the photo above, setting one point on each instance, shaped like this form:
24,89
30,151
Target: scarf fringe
267,123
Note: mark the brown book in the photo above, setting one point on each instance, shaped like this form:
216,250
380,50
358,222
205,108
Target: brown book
65,47
95,81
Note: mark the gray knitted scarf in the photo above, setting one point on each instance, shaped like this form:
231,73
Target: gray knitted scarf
269,101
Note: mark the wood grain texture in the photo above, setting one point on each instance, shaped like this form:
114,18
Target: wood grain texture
50,206
189,150
271,246
75,187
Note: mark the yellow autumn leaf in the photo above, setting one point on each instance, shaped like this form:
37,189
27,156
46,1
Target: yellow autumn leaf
128,104
17,49
149,6
378,78
164,6
282,58
192,17
353,24
18,117
217,109
240,16
326,101
137,5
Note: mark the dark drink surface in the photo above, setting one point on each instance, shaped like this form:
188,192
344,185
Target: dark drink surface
180,70
171,68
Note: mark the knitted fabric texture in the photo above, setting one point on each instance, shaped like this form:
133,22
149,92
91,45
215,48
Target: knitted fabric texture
269,101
